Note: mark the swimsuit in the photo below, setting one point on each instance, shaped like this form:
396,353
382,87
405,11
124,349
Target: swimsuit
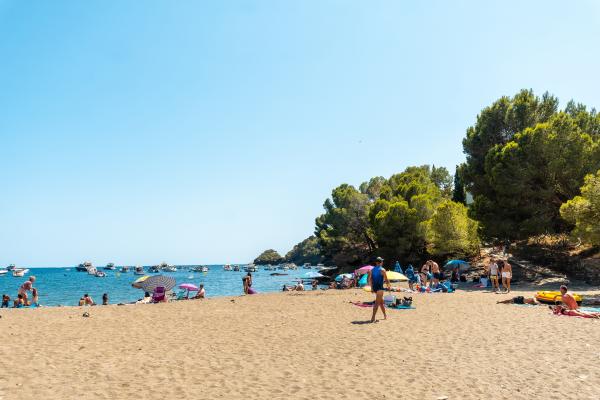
506,275
377,279
519,300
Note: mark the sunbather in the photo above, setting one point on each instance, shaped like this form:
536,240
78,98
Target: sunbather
519,300
562,310
568,299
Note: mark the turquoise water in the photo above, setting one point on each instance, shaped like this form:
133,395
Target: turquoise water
61,286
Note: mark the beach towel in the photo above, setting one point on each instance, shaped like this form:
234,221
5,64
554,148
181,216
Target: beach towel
369,304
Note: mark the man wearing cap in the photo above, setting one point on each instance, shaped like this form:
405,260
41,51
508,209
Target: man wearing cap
377,277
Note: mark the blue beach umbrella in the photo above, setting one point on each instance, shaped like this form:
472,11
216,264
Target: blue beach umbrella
462,265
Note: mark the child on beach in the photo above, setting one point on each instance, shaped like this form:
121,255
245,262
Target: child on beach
105,299
5,301
35,297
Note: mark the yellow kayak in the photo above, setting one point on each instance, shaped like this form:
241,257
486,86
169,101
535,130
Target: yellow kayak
554,297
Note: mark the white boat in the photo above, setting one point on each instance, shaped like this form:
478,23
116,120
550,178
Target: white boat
139,270
307,266
92,270
11,267
205,269
124,269
268,268
170,268
3,272
20,272
110,267
84,267
251,268
236,268
227,267
320,266
154,269
100,274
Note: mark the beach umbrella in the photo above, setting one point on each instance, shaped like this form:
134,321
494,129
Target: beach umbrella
396,276
364,270
340,277
313,275
151,283
462,265
190,287
137,282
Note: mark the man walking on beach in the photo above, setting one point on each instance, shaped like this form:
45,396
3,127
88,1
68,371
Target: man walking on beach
377,276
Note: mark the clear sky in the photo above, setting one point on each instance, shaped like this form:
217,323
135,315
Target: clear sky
207,131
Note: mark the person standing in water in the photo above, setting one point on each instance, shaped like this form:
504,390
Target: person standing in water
377,277
247,281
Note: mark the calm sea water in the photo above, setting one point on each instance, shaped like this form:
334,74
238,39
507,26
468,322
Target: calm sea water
64,286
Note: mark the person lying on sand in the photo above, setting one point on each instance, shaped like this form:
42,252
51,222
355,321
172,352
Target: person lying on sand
520,300
568,299
561,310
300,287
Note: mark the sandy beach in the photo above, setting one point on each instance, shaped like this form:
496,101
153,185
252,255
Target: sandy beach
312,345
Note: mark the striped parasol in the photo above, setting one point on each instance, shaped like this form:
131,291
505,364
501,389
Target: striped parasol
155,281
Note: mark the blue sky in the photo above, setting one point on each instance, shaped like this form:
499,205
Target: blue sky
206,131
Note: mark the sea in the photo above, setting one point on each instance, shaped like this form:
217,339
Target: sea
65,286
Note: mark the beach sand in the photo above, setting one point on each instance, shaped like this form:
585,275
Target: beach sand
312,345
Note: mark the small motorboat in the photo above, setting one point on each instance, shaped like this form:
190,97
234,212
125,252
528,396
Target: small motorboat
139,270
154,269
3,272
278,274
250,268
110,267
20,272
170,268
100,274
92,270
83,267
124,269
236,268
11,267
205,269
307,266
227,267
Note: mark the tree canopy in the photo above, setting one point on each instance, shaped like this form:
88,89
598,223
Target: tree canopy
524,159
307,251
584,211
391,218
269,257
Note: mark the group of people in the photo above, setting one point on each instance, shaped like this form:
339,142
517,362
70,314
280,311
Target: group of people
27,296
499,271
299,287
568,304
